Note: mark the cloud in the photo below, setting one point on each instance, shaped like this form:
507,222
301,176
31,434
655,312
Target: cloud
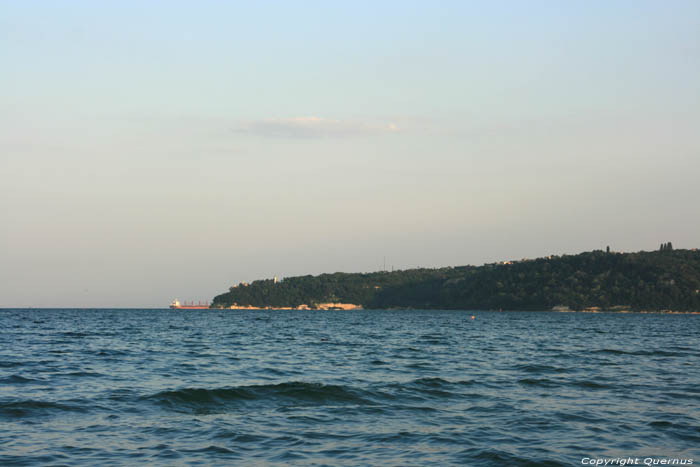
313,127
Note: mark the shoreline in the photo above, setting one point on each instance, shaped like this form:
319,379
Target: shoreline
251,308
359,308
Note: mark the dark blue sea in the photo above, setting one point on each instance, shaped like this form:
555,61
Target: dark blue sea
161,387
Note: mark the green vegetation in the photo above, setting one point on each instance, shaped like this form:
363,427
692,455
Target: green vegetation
667,279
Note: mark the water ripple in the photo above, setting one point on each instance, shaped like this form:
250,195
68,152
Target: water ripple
155,387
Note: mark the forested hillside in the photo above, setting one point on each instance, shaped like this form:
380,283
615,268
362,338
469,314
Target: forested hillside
659,280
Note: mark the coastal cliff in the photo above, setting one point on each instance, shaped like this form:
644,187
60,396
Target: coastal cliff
661,280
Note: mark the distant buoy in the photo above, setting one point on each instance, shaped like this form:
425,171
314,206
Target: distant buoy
473,317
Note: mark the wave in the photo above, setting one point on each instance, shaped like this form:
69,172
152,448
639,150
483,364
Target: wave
588,384
212,400
438,383
649,353
25,460
496,457
537,368
423,389
682,395
549,383
112,353
75,334
30,408
660,424
10,364
212,449
298,393
17,379
92,374
541,382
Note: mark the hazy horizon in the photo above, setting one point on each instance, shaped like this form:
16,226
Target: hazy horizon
162,150
381,267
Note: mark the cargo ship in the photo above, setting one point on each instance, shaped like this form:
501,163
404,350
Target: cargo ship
176,305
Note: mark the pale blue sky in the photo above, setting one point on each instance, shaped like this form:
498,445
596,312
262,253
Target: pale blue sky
153,150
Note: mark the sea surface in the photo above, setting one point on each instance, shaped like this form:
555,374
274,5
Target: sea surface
200,387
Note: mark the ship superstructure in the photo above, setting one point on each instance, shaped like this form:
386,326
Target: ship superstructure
176,305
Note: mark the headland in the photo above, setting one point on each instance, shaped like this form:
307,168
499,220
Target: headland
658,281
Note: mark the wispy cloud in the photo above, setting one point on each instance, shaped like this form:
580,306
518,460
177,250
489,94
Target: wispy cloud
313,127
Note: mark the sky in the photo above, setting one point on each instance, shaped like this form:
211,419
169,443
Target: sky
170,149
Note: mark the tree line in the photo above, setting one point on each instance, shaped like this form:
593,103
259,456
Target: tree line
664,279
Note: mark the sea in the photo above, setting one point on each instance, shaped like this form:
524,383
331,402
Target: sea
224,387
